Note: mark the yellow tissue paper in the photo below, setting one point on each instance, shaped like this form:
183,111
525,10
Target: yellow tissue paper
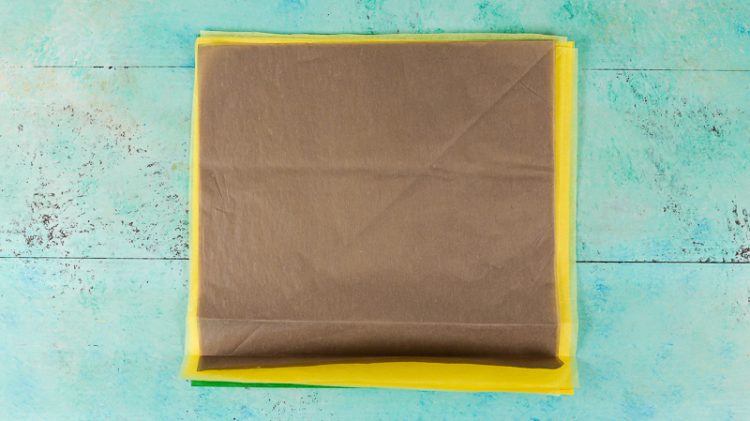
423,375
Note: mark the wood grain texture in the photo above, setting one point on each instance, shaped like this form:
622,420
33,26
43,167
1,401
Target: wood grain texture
102,339
611,34
96,162
663,166
95,102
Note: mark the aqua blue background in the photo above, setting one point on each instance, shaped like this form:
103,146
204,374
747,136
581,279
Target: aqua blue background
94,133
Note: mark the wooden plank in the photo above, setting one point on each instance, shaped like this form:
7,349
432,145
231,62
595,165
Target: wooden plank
102,339
97,164
663,166
611,34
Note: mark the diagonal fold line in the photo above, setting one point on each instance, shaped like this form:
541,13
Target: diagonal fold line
484,113
247,340
451,143
533,92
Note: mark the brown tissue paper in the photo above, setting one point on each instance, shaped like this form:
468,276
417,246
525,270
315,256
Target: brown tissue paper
376,202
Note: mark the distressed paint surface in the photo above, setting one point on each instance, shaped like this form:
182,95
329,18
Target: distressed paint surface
94,129
613,33
663,166
96,162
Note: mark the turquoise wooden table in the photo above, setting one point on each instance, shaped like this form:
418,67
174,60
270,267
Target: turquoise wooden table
95,102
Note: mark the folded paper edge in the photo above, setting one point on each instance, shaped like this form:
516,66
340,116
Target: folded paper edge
229,38
192,343
460,377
